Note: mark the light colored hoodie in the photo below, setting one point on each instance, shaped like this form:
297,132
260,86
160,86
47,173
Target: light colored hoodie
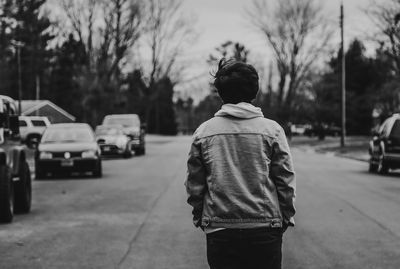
240,171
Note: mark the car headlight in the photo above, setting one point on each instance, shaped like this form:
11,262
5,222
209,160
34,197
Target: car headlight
89,154
45,155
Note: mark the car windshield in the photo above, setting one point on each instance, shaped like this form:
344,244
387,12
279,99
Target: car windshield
108,131
124,121
60,135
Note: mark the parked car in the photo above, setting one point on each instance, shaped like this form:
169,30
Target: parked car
384,148
32,128
68,147
322,130
15,176
132,127
298,129
113,141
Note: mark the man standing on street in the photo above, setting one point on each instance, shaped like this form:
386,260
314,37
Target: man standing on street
240,181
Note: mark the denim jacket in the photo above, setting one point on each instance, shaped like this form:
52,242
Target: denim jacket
240,172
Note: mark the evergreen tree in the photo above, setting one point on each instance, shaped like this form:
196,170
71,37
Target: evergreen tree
63,87
162,114
23,28
362,75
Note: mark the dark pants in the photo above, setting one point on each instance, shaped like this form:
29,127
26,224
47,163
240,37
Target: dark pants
259,248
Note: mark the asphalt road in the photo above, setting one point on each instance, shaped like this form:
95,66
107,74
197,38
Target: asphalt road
136,217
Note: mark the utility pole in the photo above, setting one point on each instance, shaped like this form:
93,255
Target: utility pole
343,78
37,92
18,46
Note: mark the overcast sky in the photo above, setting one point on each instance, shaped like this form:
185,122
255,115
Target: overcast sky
222,20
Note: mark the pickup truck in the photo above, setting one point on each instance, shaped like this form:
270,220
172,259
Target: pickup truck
32,128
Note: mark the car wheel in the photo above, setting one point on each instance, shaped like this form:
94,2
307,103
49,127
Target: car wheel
128,152
6,195
373,167
98,172
39,173
382,168
32,141
23,190
141,151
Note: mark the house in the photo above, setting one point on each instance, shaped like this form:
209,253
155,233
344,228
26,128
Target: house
47,109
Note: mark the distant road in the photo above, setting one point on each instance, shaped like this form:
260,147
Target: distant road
136,217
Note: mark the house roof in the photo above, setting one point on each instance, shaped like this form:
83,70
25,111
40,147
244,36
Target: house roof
29,106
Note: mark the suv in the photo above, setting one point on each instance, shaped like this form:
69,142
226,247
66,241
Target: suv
32,128
131,127
15,176
384,148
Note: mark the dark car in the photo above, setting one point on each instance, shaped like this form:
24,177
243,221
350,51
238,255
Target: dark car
384,148
113,141
132,127
15,175
322,130
68,148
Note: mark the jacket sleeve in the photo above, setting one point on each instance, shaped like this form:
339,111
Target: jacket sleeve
282,174
196,184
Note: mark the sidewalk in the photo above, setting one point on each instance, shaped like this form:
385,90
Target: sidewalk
356,146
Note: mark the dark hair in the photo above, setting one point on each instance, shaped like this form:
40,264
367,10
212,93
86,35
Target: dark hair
236,81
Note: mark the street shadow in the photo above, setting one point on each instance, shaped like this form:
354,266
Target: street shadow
390,174
115,157
69,176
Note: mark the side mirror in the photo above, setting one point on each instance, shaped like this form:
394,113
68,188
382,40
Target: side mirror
14,125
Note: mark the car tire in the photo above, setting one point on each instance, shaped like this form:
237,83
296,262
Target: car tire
23,190
6,195
98,172
128,152
141,151
372,167
32,141
382,167
39,173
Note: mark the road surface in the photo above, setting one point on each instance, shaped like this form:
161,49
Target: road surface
136,217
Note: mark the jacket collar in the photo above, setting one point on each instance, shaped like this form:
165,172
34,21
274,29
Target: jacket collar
241,110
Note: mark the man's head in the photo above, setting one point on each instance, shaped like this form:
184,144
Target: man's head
236,81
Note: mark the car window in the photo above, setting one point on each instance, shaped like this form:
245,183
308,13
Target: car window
22,123
61,135
396,129
123,120
39,123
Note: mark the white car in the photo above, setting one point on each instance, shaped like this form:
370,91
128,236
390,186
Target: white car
132,127
32,128
113,141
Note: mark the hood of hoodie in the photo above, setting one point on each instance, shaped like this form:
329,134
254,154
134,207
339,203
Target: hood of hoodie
241,110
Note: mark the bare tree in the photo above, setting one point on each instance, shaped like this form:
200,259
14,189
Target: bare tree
386,16
298,35
230,50
108,29
169,33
